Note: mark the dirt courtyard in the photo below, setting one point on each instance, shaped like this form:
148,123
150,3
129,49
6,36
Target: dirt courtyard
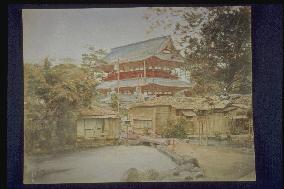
221,163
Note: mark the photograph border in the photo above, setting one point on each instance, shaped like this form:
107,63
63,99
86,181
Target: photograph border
267,102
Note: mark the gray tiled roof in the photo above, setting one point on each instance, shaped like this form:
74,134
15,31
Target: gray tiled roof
135,82
185,103
196,103
142,50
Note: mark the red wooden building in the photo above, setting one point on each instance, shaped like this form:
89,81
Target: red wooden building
149,67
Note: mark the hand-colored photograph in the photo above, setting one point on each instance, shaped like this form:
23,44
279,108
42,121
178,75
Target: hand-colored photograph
140,94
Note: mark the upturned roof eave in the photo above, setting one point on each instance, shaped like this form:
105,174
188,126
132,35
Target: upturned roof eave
120,53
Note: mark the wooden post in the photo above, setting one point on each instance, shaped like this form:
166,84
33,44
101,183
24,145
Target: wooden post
118,85
249,128
127,131
140,83
137,88
199,131
208,124
76,133
154,120
118,75
84,129
202,132
144,68
206,128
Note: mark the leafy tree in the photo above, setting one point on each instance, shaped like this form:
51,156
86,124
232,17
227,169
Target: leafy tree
46,64
91,60
230,60
215,42
70,89
35,110
175,130
52,95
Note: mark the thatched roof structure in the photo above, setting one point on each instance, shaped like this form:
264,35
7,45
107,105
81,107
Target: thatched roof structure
197,103
97,112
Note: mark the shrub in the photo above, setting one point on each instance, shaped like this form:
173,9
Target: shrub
114,101
175,130
131,175
152,174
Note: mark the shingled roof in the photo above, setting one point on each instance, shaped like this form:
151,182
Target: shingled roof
241,99
189,103
195,103
98,112
142,50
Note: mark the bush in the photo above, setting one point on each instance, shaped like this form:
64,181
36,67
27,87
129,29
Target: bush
175,130
131,175
114,101
152,174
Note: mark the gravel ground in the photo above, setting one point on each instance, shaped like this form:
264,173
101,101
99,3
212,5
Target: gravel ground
220,163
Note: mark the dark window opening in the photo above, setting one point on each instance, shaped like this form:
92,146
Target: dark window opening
103,126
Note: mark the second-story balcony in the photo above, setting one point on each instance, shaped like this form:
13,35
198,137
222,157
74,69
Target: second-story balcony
140,73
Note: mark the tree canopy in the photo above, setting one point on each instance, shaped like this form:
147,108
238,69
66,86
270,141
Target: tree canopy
52,95
92,58
216,42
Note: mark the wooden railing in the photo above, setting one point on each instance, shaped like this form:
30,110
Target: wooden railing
140,73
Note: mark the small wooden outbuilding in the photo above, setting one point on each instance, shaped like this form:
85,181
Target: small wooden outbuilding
204,116
97,125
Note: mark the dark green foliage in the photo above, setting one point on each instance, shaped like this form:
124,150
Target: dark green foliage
230,34
114,101
216,45
91,59
52,95
175,130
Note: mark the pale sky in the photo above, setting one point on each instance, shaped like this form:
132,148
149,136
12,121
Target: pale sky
62,33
